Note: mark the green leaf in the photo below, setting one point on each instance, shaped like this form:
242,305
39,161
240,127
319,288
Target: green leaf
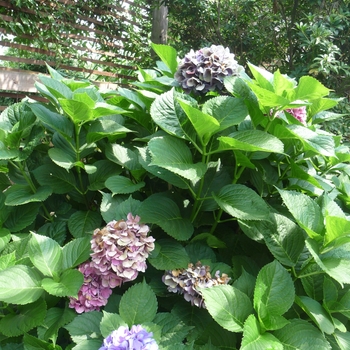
55,319
336,227
105,128
22,216
85,326
55,121
306,212
228,306
78,111
83,223
19,195
45,254
123,156
173,154
263,77
282,236
343,340
57,88
168,255
251,141
102,109
5,237
161,210
242,202
255,339
138,304
310,88
20,284
105,169
167,54
110,322
27,317
68,285
167,113
273,295
268,99
302,335
62,158
205,125
122,185
76,252
316,312
61,181
7,260
336,262
33,343
229,111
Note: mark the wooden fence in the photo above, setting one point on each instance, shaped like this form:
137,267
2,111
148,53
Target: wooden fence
101,43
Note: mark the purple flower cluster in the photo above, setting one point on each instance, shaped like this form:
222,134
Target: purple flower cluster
119,253
205,69
189,281
137,338
94,293
122,247
298,113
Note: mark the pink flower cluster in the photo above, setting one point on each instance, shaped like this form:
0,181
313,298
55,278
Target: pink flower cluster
119,253
298,113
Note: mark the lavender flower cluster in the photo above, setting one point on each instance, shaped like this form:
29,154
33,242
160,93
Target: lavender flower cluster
119,253
124,339
189,281
205,69
298,113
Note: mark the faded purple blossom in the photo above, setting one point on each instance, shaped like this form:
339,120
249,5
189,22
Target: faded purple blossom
298,113
189,281
205,69
122,248
94,292
137,338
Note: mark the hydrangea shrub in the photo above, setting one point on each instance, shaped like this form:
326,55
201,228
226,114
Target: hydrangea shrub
205,208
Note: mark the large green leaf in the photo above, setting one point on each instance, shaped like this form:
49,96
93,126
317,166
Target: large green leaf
22,216
161,210
122,185
302,335
306,212
282,236
19,195
20,284
5,237
310,88
123,156
78,111
227,110
316,312
168,255
26,318
76,252
62,158
242,202
105,169
336,227
57,88
68,284
228,306
255,339
60,180
138,304
273,295
45,254
205,125
55,121
83,223
106,128
167,54
335,262
174,155
251,141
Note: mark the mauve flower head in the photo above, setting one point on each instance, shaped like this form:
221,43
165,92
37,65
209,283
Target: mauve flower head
205,69
137,338
93,293
189,281
298,113
122,248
